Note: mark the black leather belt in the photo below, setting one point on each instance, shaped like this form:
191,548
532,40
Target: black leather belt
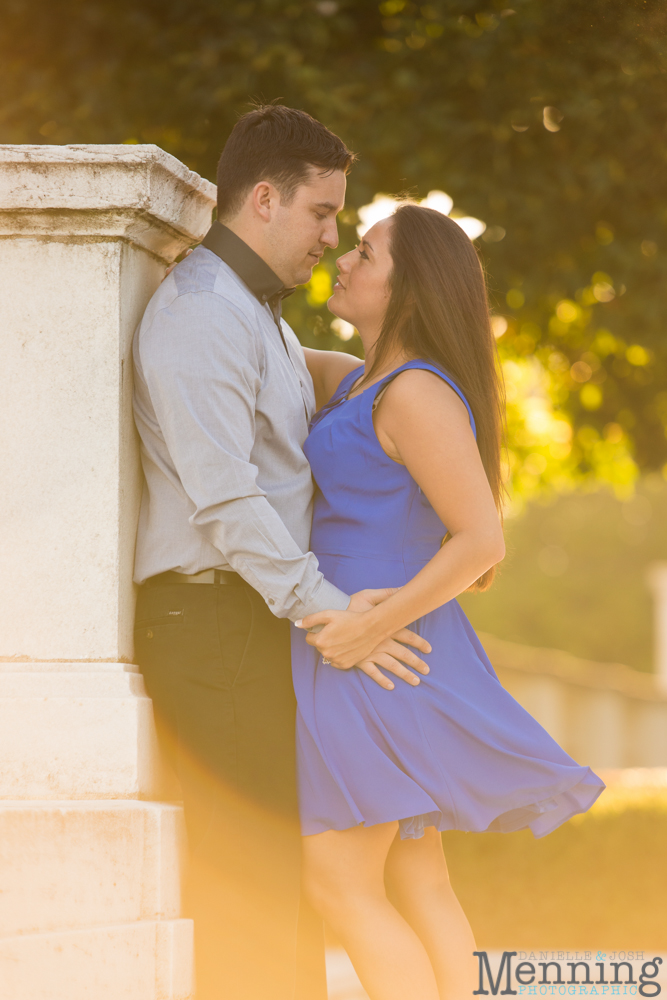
215,577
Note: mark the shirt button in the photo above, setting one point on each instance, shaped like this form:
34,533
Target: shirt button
271,601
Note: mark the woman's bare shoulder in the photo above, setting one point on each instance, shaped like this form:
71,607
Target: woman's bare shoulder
418,389
412,412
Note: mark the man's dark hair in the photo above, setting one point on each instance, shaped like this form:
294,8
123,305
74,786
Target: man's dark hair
277,144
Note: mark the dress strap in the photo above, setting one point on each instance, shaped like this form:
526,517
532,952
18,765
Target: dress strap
425,366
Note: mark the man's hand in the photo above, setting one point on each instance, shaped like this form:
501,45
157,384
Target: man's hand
388,655
349,638
172,266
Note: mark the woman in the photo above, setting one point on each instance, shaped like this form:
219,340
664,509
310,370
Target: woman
407,451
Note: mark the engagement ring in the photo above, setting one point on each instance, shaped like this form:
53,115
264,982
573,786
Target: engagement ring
325,661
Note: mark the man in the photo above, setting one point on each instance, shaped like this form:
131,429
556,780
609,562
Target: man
223,398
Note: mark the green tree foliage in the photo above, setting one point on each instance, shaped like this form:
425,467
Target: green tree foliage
547,120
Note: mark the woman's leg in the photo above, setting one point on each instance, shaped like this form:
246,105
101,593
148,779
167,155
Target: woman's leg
418,885
344,877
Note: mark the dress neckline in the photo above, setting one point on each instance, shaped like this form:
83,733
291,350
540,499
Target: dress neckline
394,371
338,398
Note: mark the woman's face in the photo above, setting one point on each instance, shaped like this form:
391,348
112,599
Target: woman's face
362,291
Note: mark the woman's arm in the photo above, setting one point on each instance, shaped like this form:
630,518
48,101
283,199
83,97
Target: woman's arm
327,369
423,424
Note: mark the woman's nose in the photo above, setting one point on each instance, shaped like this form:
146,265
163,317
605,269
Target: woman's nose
342,262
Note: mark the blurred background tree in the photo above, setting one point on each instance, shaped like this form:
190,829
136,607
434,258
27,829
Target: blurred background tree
547,120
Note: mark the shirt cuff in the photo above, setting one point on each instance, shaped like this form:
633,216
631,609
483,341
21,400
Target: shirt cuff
328,598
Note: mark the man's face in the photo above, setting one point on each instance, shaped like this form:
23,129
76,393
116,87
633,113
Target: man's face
298,233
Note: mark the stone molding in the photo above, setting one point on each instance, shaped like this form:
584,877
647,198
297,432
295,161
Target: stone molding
134,192
81,733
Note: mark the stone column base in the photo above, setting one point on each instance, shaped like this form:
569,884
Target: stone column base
144,960
90,902
78,731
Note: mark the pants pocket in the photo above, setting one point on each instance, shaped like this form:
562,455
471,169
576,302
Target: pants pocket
149,627
169,618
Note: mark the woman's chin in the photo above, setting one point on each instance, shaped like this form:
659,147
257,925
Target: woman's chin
333,307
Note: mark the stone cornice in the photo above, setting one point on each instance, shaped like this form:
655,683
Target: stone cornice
133,192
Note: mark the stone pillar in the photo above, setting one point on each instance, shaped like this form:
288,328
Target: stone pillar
603,724
657,580
544,697
85,234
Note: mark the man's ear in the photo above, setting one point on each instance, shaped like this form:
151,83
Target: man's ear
263,199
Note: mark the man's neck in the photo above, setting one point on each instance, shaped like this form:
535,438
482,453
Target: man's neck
248,233
262,281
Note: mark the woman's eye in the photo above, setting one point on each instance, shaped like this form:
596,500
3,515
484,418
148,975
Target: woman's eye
362,253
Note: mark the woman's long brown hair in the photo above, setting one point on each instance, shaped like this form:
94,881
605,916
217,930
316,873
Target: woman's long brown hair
438,311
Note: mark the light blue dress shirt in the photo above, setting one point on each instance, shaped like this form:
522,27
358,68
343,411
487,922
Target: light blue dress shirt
222,408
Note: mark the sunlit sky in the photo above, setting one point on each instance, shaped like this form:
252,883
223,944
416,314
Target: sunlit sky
383,206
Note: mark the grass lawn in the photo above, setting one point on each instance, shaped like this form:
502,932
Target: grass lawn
599,881
574,577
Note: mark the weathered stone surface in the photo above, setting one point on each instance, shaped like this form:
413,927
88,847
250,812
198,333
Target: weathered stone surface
89,879
87,231
69,865
78,734
145,960
139,193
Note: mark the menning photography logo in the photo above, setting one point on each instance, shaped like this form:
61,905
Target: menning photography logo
558,973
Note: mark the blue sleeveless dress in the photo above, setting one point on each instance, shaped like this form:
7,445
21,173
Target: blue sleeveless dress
456,752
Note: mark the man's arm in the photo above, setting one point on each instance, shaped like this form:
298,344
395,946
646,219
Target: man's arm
203,372
327,370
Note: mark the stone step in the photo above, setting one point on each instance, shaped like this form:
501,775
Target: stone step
75,864
73,733
143,960
68,666
77,684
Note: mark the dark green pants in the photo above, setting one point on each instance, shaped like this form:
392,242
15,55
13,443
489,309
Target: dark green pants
217,665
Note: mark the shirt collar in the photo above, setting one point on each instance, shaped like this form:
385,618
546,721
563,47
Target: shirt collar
256,273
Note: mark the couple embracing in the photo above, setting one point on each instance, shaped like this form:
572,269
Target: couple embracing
297,622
